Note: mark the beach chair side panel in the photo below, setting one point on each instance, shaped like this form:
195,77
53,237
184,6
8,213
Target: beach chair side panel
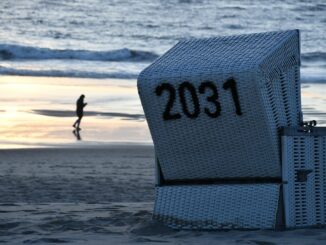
304,163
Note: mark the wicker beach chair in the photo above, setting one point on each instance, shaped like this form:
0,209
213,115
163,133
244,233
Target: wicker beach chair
215,108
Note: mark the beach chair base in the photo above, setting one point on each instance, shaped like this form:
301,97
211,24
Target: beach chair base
219,206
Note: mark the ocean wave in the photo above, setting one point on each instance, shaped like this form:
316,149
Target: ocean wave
18,52
311,8
313,78
66,73
314,56
306,77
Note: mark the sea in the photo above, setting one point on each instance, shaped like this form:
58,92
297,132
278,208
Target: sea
119,38
97,186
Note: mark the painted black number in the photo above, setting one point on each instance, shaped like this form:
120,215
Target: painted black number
190,104
182,93
167,112
213,98
231,84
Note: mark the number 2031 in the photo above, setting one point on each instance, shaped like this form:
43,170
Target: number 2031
206,88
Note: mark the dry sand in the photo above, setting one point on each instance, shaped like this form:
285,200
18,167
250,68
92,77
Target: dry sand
100,196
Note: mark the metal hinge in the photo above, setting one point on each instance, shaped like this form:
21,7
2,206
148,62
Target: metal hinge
309,125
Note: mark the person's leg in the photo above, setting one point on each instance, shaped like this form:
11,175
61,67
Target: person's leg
79,120
74,125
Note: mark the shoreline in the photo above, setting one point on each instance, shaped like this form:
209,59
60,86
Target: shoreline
12,146
39,112
87,146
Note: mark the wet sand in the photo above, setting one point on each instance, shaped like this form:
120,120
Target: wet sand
39,112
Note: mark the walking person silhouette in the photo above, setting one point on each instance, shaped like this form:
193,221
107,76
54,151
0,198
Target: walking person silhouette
79,111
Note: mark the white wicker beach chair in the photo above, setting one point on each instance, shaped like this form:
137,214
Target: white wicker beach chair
215,106
304,175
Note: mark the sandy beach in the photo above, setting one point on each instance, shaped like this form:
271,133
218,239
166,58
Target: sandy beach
100,196
55,188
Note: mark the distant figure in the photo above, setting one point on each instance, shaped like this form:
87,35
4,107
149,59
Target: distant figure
79,111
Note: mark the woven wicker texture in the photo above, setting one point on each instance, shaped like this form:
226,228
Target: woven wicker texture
304,171
249,206
235,143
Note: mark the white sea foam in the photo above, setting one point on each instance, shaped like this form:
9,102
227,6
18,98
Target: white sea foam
110,70
13,52
313,78
313,74
67,73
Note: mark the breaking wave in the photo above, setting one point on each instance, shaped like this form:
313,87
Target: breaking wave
66,73
314,56
18,52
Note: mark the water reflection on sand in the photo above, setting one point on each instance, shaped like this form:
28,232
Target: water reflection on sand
39,111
